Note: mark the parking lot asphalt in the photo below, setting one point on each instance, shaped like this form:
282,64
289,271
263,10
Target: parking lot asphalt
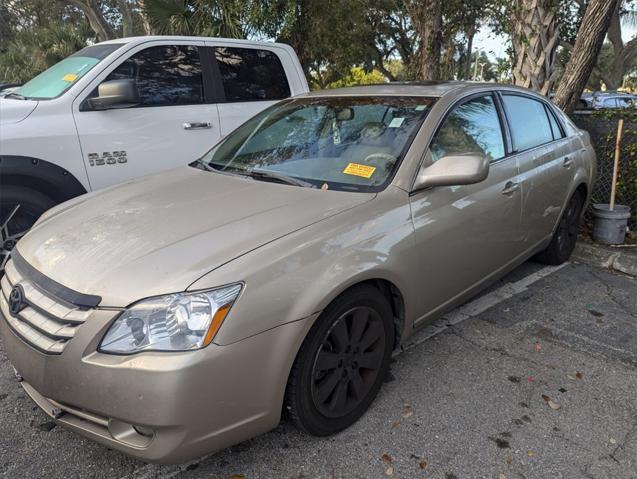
537,378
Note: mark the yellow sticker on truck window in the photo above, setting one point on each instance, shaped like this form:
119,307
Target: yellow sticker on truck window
359,170
69,77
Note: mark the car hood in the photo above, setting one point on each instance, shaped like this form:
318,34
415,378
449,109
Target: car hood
159,234
14,111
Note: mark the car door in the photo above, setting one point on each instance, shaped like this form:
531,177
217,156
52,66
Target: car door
175,121
465,234
252,78
546,160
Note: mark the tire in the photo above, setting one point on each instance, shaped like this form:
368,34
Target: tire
353,361
563,242
14,223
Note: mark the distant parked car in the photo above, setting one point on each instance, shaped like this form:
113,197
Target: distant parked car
126,108
604,100
180,313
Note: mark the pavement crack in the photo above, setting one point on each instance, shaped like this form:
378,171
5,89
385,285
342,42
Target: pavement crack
611,295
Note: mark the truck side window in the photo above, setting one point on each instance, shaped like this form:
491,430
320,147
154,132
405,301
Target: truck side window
165,75
249,74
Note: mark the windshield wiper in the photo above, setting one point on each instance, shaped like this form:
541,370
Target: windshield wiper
15,95
273,175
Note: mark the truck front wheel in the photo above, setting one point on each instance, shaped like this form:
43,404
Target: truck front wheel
20,207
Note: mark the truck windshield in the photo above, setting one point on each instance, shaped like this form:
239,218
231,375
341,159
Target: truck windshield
351,143
54,81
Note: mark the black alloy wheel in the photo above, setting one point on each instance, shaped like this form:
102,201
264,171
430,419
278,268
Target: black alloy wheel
563,242
342,363
19,209
348,362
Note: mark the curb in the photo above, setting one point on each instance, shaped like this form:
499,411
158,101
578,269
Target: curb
623,260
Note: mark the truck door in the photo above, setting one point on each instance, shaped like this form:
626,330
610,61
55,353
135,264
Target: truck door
174,123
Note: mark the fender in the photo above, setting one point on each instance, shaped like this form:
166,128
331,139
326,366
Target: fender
48,178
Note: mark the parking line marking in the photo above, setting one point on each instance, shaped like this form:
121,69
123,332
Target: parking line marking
477,306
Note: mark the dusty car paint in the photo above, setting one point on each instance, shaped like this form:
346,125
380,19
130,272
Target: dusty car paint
295,249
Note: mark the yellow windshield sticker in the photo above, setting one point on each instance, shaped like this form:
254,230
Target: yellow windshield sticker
359,170
69,77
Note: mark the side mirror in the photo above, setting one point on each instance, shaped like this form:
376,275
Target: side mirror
114,94
454,170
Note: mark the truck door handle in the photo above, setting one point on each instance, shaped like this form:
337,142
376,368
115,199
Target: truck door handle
197,125
567,162
510,188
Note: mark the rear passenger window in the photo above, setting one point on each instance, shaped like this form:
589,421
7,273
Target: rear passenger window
529,123
555,127
164,75
472,127
250,74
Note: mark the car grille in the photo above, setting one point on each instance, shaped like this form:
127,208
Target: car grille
46,323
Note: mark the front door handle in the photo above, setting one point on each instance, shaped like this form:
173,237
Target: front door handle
197,125
567,162
510,188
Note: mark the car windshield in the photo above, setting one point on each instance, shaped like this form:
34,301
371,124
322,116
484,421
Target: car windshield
54,81
345,143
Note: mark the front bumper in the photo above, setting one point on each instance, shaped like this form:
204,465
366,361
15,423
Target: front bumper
185,404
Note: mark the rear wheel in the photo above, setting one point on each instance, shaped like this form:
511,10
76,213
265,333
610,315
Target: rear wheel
563,242
19,208
342,362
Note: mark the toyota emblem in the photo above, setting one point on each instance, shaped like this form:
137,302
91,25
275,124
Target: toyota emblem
16,300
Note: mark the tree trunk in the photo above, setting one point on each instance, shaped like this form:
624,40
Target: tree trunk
95,17
127,18
624,55
535,39
470,34
588,43
427,19
148,28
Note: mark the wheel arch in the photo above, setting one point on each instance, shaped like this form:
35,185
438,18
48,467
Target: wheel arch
41,175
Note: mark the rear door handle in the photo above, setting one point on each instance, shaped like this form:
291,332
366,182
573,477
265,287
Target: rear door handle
510,188
567,162
197,125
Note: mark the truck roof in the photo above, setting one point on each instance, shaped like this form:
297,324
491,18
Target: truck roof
178,38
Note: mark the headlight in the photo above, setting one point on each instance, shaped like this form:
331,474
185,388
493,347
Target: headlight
175,322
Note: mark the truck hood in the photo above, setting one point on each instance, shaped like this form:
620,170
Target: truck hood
159,234
14,111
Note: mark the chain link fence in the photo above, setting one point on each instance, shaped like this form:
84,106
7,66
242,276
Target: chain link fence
602,126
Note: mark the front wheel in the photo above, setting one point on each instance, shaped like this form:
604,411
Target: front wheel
563,242
20,207
342,362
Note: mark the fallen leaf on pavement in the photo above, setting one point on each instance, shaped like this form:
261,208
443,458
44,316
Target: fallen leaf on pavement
579,375
553,405
531,379
509,460
571,377
237,476
546,398
386,458
613,440
389,471
502,476
530,453
422,464
538,347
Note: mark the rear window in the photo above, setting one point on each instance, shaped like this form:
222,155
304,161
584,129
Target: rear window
250,74
529,122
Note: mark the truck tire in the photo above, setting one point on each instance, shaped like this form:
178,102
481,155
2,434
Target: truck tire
20,207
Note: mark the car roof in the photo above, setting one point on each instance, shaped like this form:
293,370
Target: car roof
180,38
434,89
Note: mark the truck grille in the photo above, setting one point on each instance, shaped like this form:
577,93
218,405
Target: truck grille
46,323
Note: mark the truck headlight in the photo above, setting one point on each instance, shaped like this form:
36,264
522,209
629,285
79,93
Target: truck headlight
175,322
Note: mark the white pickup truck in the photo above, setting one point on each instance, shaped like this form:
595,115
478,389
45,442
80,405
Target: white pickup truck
126,108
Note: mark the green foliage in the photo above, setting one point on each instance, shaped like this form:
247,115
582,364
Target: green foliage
222,18
358,76
32,51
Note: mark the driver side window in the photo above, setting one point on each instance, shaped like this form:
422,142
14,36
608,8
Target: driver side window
472,127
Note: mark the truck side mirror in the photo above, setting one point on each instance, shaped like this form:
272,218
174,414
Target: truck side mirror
114,94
